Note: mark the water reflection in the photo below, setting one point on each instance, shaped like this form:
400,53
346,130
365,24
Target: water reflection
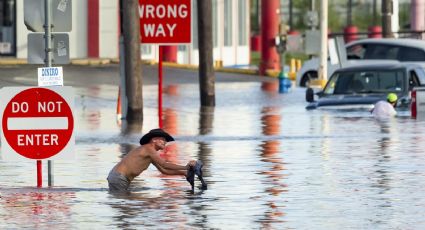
270,153
90,113
170,121
270,86
35,208
142,208
206,120
383,155
199,209
172,89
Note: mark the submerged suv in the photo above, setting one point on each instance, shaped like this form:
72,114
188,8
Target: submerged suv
361,86
403,50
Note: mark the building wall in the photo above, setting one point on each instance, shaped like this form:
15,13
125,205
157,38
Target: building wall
109,25
108,43
78,35
230,55
21,31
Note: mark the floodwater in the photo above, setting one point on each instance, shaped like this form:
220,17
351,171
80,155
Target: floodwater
269,164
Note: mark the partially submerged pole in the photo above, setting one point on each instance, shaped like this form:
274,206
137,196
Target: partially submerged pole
206,68
133,82
323,68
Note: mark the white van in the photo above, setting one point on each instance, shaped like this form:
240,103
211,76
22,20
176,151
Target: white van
401,49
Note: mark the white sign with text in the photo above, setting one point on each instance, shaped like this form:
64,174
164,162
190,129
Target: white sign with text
50,76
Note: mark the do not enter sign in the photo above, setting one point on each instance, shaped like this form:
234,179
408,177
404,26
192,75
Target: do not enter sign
37,123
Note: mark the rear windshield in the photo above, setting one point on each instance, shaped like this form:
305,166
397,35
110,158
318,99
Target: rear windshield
386,52
381,81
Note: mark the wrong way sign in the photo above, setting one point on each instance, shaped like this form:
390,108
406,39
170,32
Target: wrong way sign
37,123
165,22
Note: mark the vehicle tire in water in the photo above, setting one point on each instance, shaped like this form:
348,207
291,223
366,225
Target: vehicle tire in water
307,77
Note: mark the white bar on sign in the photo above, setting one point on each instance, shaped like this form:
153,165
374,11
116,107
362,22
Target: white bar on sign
37,123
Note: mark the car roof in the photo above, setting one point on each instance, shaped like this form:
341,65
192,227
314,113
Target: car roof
376,65
392,41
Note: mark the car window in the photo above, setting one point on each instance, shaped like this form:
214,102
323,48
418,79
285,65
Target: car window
413,80
330,86
411,54
383,52
421,75
390,80
356,51
366,82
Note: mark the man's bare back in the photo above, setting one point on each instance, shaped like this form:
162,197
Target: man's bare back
134,163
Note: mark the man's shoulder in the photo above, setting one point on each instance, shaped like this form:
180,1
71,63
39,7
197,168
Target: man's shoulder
144,150
138,150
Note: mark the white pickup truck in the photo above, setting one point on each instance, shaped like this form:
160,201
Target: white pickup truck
400,49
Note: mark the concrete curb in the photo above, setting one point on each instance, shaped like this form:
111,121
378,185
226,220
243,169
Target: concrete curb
13,61
105,61
90,61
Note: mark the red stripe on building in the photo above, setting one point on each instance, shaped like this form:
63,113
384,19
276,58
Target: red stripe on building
93,28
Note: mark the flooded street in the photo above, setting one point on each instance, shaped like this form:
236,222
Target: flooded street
268,162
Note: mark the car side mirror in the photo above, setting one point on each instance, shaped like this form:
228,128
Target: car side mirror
309,95
404,102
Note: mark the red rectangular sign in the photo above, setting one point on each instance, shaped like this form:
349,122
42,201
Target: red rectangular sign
165,22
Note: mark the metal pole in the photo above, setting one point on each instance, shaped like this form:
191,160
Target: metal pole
123,91
323,69
349,12
39,175
48,62
374,17
47,34
160,87
312,9
386,18
291,25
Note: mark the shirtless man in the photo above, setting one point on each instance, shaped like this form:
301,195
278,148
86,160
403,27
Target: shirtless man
138,160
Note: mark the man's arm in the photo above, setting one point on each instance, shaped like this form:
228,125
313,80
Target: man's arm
158,161
170,171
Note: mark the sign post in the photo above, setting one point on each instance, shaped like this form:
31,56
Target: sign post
165,23
56,46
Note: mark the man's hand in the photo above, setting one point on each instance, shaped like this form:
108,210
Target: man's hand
191,163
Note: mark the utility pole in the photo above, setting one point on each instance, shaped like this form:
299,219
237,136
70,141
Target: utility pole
350,12
133,76
291,14
323,68
417,12
387,9
374,14
312,10
206,68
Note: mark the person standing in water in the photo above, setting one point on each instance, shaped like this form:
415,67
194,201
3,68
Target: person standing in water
385,109
139,159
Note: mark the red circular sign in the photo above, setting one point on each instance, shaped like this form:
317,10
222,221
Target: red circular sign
37,123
